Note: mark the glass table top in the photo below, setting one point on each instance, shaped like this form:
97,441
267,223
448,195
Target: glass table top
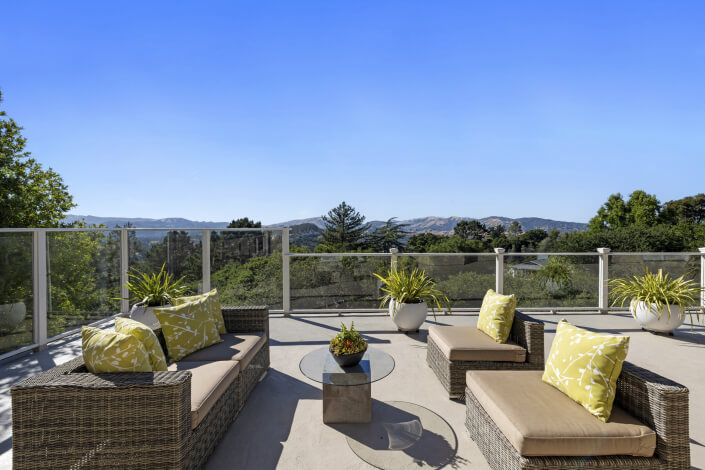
320,366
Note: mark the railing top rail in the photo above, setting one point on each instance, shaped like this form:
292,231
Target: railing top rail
141,229
655,253
326,255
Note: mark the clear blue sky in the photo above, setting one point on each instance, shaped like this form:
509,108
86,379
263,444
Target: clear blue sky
280,110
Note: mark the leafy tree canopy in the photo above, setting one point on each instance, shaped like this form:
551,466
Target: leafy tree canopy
345,229
390,235
30,196
472,229
244,222
689,210
641,209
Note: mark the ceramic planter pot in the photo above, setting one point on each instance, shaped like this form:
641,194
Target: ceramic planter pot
348,360
11,315
143,314
408,317
652,319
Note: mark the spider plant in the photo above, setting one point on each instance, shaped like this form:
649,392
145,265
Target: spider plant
658,290
402,287
154,289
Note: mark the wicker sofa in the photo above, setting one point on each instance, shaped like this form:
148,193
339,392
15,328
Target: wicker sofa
67,417
648,428
454,350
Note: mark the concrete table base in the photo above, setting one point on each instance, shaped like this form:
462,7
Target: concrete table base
347,403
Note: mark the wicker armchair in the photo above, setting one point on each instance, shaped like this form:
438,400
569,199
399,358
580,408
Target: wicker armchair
656,401
67,417
526,332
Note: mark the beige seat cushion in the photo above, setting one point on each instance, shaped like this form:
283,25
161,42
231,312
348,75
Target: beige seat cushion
209,381
467,343
539,420
234,347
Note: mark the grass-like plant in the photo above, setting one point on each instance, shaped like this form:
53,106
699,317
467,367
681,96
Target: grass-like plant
658,290
154,289
402,287
348,341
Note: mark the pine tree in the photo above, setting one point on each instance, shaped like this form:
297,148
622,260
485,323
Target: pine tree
345,229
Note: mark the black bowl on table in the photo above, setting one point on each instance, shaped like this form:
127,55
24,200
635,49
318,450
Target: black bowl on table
348,360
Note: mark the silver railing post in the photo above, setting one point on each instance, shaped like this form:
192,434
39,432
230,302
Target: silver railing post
124,268
603,296
286,286
499,270
40,287
394,252
702,276
206,260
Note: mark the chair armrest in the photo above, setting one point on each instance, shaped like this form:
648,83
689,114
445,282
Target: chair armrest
528,333
246,319
661,404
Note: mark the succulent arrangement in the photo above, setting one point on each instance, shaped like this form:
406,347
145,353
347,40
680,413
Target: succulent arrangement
348,341
155,289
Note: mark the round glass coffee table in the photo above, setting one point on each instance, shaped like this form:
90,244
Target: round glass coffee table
347,391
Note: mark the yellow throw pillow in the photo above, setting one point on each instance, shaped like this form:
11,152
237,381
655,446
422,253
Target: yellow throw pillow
108,351
497,315
147,337
213,307
585,366
187,328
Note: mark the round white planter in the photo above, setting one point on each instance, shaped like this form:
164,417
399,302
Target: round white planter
145,315
650,318
408,317
11,315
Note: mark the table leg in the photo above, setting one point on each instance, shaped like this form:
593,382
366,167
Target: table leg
347,403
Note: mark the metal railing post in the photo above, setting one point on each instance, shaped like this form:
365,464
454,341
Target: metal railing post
206,260
286,290
499,270
394,252
603,296
40,287
702,277
124,267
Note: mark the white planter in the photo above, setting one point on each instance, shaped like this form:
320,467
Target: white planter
11,315
650,318
145,315
408,317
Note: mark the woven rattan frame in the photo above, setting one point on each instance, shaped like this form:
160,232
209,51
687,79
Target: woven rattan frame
658,402
526,332
67,417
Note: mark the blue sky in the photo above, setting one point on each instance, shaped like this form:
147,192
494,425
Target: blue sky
280,110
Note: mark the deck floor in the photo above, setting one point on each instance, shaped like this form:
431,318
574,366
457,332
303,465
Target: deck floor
281,425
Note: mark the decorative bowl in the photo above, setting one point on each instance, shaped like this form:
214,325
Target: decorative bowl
348,360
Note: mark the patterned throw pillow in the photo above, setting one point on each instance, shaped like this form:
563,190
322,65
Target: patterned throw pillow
213,307
148,339
585,366
497,315
108,351
187,328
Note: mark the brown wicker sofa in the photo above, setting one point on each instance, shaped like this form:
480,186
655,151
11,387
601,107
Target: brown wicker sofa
454,350
67,417
520,422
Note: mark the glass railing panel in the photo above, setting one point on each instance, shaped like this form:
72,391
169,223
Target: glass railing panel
552,281
83,276
246,267
16,295
336,282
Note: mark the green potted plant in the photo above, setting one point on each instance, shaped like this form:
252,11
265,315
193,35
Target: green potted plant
409,294
657,301
348,346
152,290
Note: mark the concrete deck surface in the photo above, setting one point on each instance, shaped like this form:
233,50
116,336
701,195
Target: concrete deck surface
281,425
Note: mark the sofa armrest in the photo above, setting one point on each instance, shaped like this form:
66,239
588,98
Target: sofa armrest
661,404
528,333
246,319
66,419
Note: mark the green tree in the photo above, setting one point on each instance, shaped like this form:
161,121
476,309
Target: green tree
689,210
30,196
515,229
643,209
345,230
421,242
390,235
612,214
244,222
472,229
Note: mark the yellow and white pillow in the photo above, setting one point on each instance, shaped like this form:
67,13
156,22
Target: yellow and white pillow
214,308
187,328
147,337
109,351
585,366
497,315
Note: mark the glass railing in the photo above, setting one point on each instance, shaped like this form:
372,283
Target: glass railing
16,294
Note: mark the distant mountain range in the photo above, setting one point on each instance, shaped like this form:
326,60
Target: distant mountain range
438,225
